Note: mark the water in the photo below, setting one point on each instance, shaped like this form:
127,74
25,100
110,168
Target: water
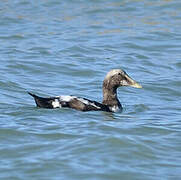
53,48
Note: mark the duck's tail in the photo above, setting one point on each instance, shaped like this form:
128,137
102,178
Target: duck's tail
32,94
42,102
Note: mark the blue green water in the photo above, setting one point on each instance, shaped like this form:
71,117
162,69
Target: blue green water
56,47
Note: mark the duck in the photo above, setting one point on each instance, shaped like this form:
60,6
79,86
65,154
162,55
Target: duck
114,79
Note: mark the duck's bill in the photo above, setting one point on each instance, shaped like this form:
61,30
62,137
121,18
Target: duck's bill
130,82
136,85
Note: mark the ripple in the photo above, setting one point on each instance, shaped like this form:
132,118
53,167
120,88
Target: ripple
53,48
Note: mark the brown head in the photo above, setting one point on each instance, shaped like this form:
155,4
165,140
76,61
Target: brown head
117,77
114,79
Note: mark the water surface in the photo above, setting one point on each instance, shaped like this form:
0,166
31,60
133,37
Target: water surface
53,48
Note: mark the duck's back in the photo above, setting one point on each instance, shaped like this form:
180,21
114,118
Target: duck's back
78,103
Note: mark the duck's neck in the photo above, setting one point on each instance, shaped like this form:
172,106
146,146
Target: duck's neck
110,95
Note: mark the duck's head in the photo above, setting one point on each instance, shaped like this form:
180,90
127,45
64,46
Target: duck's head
117,77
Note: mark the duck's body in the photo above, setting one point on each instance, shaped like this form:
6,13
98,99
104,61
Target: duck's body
78,103
112,81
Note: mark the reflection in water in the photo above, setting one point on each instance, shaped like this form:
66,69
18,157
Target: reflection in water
108,116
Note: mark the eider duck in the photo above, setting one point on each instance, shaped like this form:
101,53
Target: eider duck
114,79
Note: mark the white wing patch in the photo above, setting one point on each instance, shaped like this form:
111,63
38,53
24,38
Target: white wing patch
56,104
67,98
83,101
88,102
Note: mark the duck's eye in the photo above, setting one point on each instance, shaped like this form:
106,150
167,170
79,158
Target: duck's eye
119,74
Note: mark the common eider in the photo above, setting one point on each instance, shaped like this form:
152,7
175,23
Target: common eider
114,79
